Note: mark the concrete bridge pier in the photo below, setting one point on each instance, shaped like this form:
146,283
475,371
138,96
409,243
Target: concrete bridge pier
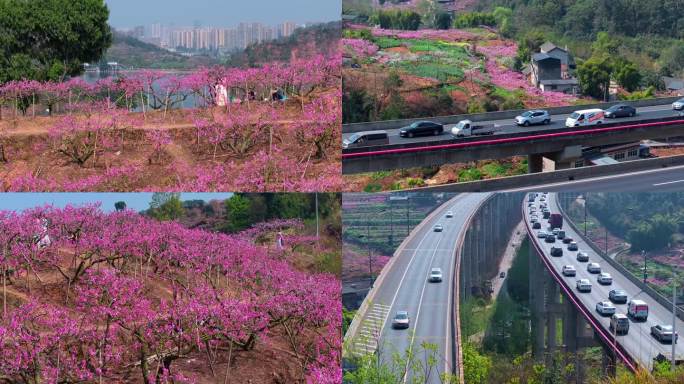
553,161
609,361
535,163
538,279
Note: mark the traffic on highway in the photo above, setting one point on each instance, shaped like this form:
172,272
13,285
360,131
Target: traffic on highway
416,291
529,121
626,315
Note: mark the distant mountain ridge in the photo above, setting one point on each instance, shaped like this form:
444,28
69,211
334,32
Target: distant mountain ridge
131,52
305,42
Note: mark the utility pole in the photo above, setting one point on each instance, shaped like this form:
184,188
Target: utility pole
643,254
317,228
408,204
391,224
674,317
370,263
585,214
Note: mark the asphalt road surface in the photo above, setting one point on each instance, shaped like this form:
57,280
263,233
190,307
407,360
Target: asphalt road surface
406,287
508,125
638,342
669,179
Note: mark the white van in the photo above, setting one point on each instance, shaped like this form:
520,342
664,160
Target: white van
366,139
585,118
638,310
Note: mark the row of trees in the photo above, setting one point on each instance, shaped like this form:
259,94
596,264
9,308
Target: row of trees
243,210
105,321
585,18
161,91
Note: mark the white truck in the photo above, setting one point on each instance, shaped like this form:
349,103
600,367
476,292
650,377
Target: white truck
466,128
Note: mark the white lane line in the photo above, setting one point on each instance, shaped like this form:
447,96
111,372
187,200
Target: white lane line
590,180
401,282
420,305
668,182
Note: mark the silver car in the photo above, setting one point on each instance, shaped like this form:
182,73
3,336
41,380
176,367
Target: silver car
435,275
678,105
533,118
605,308
401,320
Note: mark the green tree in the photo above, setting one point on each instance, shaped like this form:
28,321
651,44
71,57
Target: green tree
672,59
433,14
57,36
475,365
120,206
627,75
605,44
594,76
166,206
237,213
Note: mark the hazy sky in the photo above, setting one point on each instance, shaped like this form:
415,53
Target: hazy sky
135,201
129,13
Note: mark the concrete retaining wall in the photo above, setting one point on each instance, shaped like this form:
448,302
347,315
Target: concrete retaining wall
537,179
453,119
637,281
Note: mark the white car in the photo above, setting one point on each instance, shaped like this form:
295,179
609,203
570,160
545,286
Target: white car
449,214
593,268
605,279
583,285
436,275
401,320
438,228
605,308
542,234
569,270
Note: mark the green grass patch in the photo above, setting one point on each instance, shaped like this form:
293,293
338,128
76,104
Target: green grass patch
495,169
372,187
387,42
434,70
380,175
469,174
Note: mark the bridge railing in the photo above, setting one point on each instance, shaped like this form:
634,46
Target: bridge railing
454,143
662,300
499,115
570,294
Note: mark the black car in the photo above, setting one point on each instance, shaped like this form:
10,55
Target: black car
422,128
556,251
617,296
536,225
551,238
620,110
567,240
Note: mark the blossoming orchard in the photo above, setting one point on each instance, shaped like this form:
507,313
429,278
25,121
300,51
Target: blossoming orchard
271,128
89,296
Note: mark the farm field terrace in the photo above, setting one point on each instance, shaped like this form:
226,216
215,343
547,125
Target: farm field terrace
435,72
129,134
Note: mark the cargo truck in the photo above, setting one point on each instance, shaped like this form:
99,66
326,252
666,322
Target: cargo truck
466,128
556,220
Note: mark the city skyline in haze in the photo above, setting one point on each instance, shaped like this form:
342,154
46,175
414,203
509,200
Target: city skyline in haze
126,14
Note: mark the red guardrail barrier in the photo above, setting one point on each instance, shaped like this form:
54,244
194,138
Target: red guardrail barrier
509,139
